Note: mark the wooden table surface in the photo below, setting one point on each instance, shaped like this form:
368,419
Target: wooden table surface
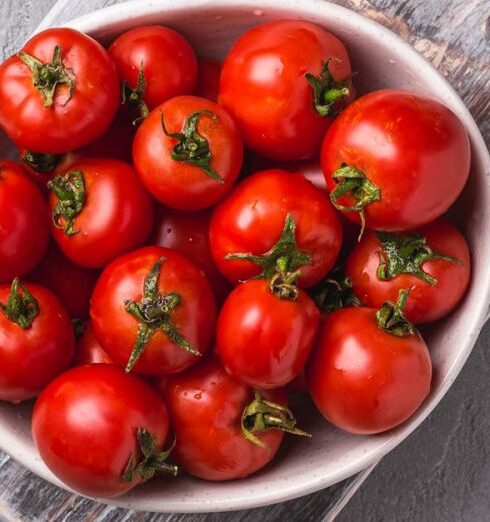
442,472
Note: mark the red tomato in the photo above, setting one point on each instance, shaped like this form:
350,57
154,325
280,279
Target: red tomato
88,349
99,210
36,340
91,426
188,153
253,217
434,262
252,340
208,79
265,85
398,158
72,107
24,228
364,379
153,310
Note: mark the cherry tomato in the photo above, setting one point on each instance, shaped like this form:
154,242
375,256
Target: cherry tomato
88,350
282,82
36,340
252,340
24,228
99,210
395,159
100,430
433,261
188,153
153,310
208,79
270,215
58,93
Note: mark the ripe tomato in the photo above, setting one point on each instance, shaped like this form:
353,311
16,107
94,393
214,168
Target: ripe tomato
369,371
282,82
270,215
58,93
100,430
153,310
154,63
36,340
433,261
221,431
24,228
188,153
208,79
396,159
88,350
252,340
99,210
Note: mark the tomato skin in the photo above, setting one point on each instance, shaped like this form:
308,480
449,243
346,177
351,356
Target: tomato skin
24,228
388,133
264,88
205,406
159,50
31,358
252,218
425,303
252,340
66,125
181,185
88,349
85,424
208,79
124,224
116,329
363,379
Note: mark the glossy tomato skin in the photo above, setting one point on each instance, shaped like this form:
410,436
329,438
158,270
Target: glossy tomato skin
411,146
30,358
251,220
88,350
168,61
116,329
85,427
68,123
208,79
425,303
363,379
117,215
182,185
24,227
205,406
252,340
264,88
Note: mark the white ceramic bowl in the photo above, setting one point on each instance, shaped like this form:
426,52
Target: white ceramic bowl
382,60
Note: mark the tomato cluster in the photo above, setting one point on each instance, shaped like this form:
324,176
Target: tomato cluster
160,296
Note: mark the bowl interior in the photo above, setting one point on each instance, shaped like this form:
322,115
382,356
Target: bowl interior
381,60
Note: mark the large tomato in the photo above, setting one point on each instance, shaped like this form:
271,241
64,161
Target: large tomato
282,82
395,159
58,93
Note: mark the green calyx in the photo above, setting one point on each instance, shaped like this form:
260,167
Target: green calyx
261,415
46,77
329,95
21,307
334,292
154,311
405,254
391,317
193,148
134,96
42,163
152,459
70,191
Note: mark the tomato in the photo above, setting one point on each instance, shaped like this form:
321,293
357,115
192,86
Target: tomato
274,214
188,153
24,228
36,340
88,349
58,93
213,441
433,261
252,340
282,82
92,425
368,374
208,79
99,210
395,159
153,310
